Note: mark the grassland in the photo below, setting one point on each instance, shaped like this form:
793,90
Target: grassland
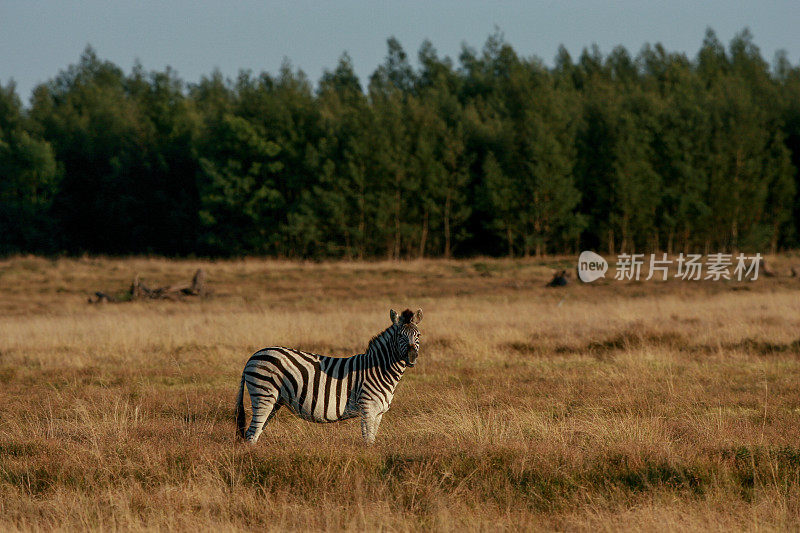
640,406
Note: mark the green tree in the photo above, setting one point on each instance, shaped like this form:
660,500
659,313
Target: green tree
241,203
344,199
499,154
442,157
94,128
398,197
504,200
28,181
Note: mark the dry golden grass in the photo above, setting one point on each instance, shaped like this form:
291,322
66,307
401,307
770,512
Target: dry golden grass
634,406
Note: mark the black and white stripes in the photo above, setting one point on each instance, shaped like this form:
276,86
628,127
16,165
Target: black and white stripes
328,389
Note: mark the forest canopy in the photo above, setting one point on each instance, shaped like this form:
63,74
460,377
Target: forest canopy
495,154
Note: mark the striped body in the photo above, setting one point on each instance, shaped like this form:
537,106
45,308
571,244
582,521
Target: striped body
319,388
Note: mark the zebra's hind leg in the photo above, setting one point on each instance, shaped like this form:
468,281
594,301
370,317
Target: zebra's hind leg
265,405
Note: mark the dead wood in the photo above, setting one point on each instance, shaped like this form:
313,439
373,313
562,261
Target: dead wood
768,272
101,298
139,291
560,279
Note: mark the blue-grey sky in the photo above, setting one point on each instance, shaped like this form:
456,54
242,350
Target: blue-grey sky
39,38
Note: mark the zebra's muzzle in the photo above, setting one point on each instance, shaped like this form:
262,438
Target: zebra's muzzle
411,357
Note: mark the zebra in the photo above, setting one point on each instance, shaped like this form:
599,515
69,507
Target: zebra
322,389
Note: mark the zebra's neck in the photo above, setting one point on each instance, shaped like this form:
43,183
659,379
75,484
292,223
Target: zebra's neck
382,351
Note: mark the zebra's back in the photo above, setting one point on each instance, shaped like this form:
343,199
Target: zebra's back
316,387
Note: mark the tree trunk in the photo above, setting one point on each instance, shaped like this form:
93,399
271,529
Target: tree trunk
670,238
396,247
447,226
610,241
735,218
623,247
424,237
686,240
362,222
539,229
773,242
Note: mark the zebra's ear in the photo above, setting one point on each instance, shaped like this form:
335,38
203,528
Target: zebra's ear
417,317
393,316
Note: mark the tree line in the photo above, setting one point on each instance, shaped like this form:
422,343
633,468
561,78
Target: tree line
497,154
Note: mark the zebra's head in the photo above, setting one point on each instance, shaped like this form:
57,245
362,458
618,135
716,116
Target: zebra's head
407,334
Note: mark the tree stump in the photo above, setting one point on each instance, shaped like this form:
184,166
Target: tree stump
559,279
199,282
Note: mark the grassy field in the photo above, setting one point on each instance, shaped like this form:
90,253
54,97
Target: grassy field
651,405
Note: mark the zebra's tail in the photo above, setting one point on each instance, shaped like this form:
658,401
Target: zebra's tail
241,422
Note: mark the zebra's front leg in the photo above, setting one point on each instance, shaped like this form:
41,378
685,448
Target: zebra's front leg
370,420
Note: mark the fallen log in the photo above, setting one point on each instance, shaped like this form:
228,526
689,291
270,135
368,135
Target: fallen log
101,298
768,272
139,291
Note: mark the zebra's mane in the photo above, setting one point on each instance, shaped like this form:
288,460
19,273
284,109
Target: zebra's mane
380,335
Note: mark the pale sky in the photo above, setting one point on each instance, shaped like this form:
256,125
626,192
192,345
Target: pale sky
40,38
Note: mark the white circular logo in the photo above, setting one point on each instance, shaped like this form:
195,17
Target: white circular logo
591,266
